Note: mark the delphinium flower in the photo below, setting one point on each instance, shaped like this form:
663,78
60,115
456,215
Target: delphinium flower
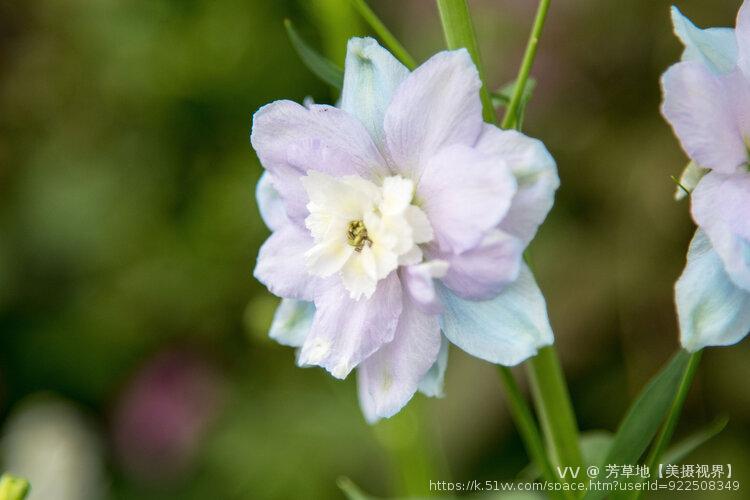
396,216
707,102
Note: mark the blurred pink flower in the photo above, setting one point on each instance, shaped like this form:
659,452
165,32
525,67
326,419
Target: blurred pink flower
163,414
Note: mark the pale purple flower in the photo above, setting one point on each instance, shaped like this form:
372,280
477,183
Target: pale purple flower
707,102
396,216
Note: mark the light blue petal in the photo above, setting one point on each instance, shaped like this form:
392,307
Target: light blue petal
716,47
712,310
269,203
371,75
506,329
292,321
431,384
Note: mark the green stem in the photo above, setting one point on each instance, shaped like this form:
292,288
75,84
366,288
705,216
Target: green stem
509,120
665,435
459,33
384,33
526,425
554,409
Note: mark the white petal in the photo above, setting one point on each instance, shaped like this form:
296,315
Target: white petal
419,283
689,180
291,140
721,207
270,205
281,264
420,225
712,310
535,172
436,106
328,257
292,321
715,47
709,113
360,274
371,75
507,329
388,379
397,195
431,384
465,193
346,331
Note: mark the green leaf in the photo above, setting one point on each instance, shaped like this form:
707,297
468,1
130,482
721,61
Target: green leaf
644,417
502,97
594,448
315,62
13,488
688,445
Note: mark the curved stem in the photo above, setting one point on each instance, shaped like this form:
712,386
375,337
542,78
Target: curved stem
509,120
384,33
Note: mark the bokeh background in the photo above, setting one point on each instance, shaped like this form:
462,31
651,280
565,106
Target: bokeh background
134,358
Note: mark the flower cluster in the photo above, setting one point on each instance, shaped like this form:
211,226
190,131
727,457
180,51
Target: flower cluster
707,102
395,217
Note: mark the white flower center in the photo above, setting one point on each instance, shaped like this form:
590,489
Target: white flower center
362,231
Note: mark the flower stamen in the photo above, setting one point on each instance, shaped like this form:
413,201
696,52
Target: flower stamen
356,235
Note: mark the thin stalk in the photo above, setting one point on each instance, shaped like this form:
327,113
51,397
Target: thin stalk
459,33
526,425
509,119
665,435
384,33
554,409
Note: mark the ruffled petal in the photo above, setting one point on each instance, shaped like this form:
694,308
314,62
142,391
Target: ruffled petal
292,321
506,329
371,76
281,264
419,284
721,207
388,379
714,47
291,140
432,383
436,106
535,172
482,272
712,310
465,193
269,203
708,113
346,331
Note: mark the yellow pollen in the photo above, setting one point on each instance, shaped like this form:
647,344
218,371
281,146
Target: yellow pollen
356,235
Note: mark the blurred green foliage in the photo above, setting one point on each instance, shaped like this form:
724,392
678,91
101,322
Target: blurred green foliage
128,227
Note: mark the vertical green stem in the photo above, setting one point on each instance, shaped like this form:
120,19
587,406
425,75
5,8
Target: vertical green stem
459,33
384,33
554,408
526,425
529,55
665,435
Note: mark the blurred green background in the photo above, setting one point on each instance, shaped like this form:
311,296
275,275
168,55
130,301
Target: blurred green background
134,358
